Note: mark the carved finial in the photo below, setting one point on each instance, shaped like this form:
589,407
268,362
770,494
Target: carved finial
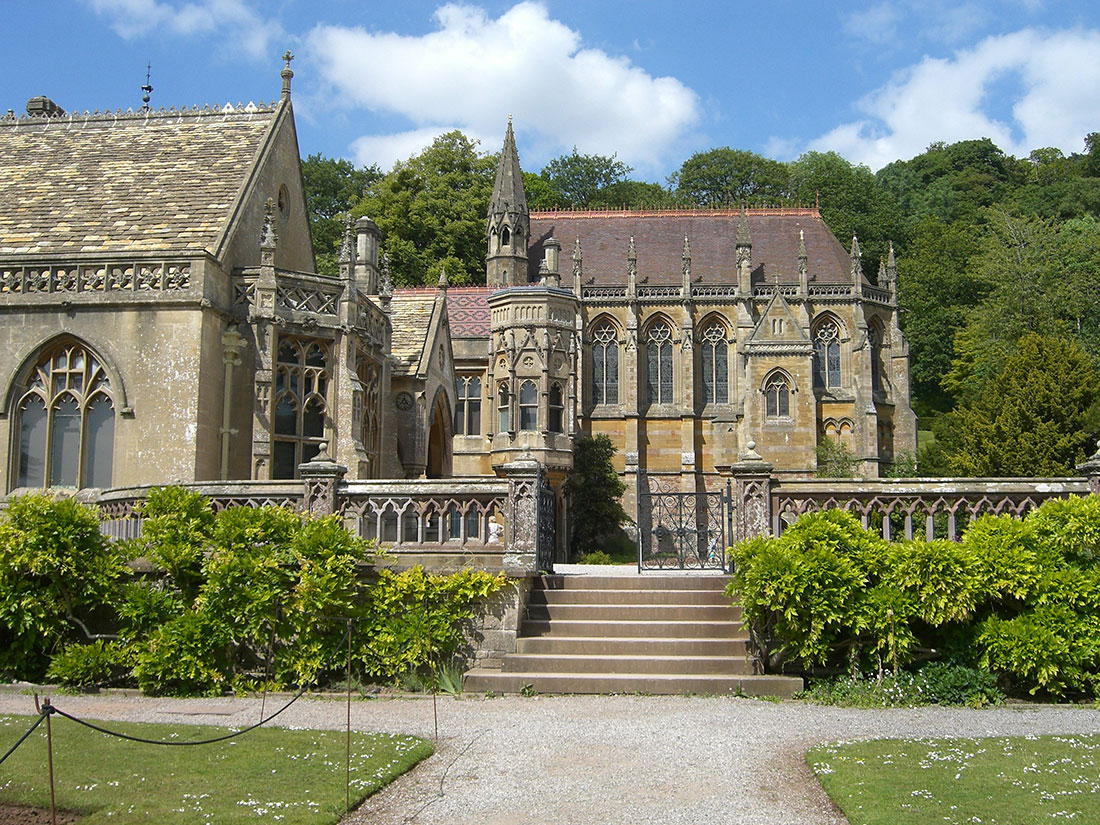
632,261
802,245
743,236
443,282
269,236
387,277
286,74
856,251
685,258
347,246
147,88
891,264
857,256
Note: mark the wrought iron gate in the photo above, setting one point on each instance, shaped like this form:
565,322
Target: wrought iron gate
683,531
547,521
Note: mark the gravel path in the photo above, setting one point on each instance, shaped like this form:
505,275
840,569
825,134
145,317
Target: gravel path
601,759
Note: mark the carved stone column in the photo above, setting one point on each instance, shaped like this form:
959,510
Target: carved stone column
525,480
321,478
752,500
1091,470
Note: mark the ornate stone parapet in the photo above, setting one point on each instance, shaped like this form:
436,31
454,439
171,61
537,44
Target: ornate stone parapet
321,477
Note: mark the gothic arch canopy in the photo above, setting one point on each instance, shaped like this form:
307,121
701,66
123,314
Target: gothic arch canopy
34,353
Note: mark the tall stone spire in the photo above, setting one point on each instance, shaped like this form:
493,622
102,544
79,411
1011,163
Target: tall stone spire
509,222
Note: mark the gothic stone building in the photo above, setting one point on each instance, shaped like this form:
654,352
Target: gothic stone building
161,320
690,337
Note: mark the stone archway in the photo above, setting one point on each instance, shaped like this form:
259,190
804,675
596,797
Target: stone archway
439,440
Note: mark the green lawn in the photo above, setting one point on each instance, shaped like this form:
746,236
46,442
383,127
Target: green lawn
286,776
1007,781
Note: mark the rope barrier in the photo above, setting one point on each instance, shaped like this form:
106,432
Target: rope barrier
23,738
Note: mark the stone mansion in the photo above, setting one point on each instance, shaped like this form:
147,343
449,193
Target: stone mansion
161,320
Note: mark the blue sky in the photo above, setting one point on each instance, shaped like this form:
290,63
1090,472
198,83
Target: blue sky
652,81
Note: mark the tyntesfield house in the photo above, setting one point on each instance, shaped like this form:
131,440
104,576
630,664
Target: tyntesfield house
161,320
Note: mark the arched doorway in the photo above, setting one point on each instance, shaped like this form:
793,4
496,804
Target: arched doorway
439,440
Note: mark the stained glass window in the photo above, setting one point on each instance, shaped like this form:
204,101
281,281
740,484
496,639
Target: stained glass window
65,424
301,404
605,365
659,364
713,356
827,355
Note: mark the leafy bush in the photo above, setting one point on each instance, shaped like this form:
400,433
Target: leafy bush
55,566
88,665
835,459
938,683
595,557
1069,528
185,657
176,529
414,618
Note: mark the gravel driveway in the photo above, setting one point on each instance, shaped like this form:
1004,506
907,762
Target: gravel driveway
601,759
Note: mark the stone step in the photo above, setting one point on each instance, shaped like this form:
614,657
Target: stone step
620,663
480,679
646,629
632,646
623,596
641,581
634,612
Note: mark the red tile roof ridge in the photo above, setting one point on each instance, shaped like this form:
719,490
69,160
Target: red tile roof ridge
723,212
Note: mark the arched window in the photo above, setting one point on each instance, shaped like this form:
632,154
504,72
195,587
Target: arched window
659,364
468,408
874,338
301,404
827,354
369,376
605,365
504,419
65,422
505,237
528,406
713,356
556,409
777,397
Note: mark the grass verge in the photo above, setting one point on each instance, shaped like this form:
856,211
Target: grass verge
1006,780
294,777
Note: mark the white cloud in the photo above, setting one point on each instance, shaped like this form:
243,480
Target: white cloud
473,71
1058,77
246,30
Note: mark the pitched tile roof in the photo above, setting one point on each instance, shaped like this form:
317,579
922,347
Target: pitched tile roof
659,241
411,314
162,180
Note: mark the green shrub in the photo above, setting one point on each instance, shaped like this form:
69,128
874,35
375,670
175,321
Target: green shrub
185,657
1069,528
88,665
414,619
595,557
1005,555
835,459
54,564
938,683
176,529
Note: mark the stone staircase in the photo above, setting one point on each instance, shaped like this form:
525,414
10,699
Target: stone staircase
648,633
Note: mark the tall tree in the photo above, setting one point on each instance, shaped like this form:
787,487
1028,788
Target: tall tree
577,179
730,176
1039,416
333,187
431,210
593,489
852,203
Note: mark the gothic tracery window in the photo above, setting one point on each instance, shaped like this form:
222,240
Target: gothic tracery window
301,404
777,397
468,406
874,339
368,374
605,365
713,359
659,364
65,422
827,354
